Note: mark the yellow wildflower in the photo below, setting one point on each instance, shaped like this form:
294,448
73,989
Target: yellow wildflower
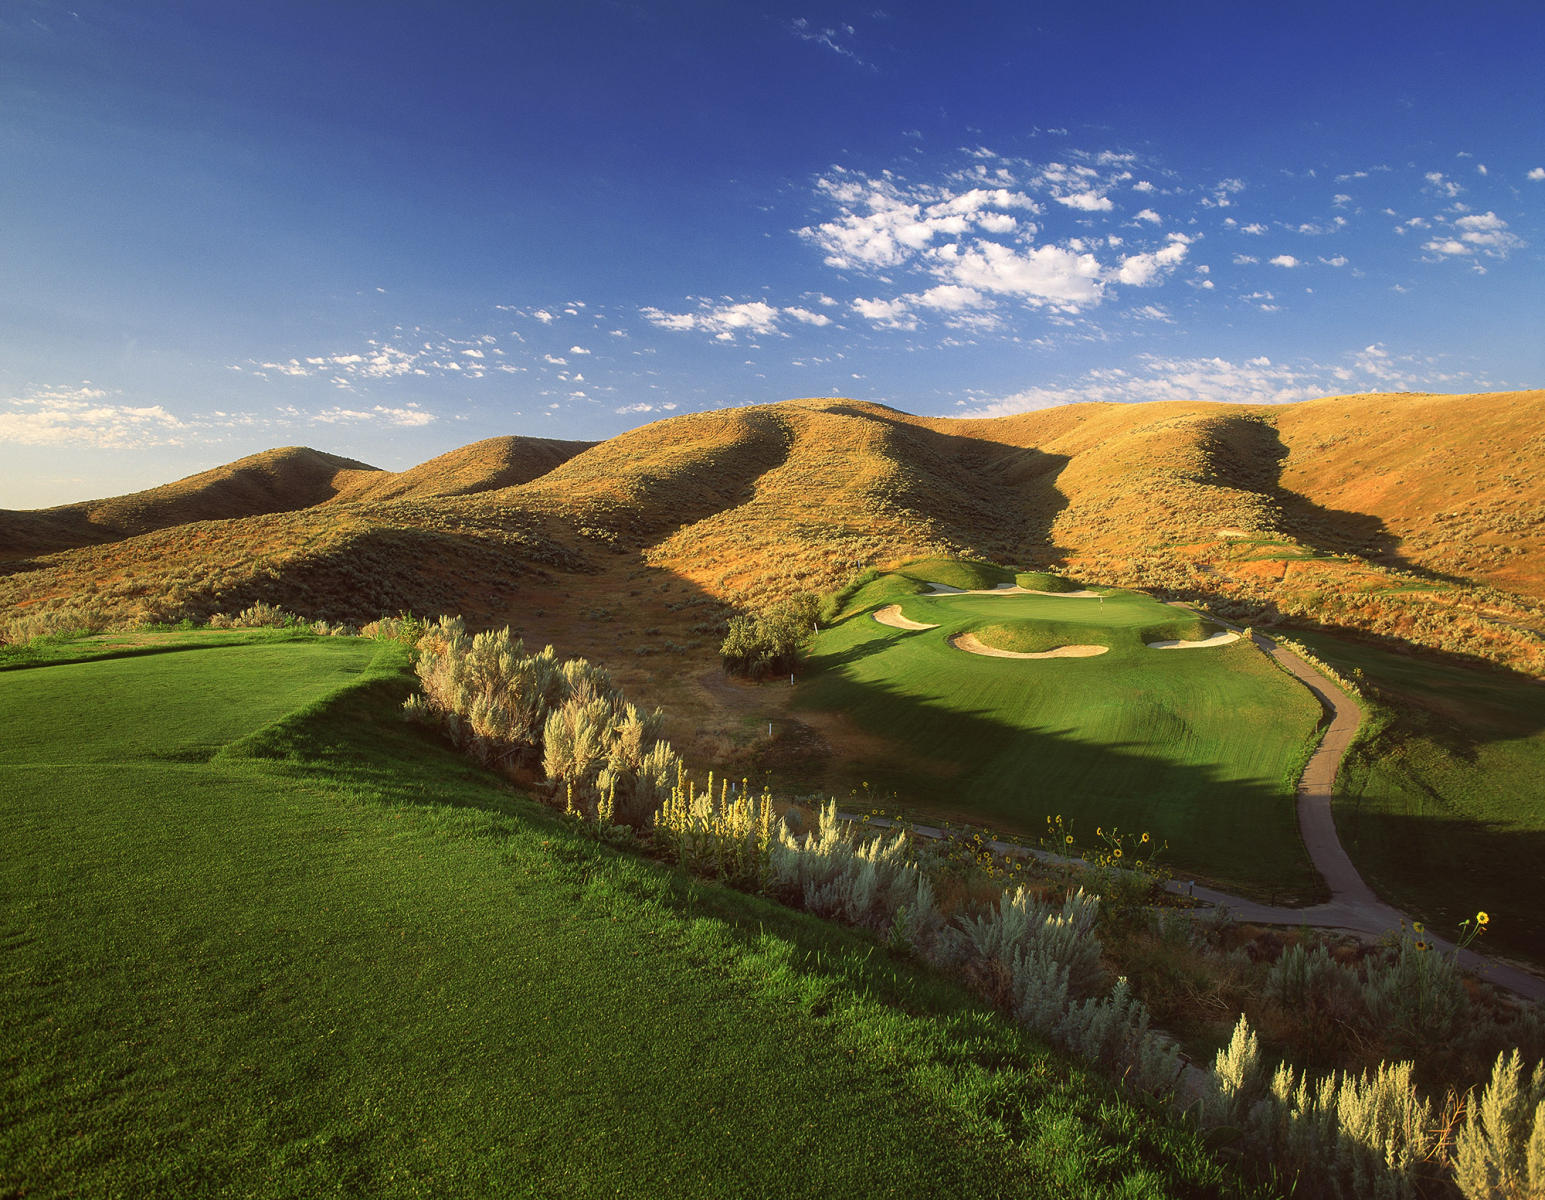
1418,927
1481,918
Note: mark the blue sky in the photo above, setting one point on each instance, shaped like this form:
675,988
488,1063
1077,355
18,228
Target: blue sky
387,230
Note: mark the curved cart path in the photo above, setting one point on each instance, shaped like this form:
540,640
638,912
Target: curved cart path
1352,905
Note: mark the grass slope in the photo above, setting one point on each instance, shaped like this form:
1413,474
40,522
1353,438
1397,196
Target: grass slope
263,938
1443,808
1200,747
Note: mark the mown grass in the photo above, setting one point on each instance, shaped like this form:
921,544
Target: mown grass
264,938
1440,804
1201,748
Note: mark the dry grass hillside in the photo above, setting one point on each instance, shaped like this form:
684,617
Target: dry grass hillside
484,466
275,481
1409,518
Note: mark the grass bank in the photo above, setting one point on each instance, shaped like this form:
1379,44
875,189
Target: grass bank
1439,804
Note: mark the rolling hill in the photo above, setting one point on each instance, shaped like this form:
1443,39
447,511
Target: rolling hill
1414,518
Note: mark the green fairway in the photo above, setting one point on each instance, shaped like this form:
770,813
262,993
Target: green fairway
264,938
1199,746
1443,810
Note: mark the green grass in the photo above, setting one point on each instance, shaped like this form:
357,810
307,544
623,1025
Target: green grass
1201,748
1044,581
1443,807
264,938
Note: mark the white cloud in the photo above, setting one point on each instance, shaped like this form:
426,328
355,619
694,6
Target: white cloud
1148,214
1537,174
888,314
1087,201
1476,233
1045,275
1339,260
1256,229
555,360
1285,260
1244,260
85,416
578,350
1255,381
411,417
882,223
830,38
950,297
726,321
1439,185
1144,270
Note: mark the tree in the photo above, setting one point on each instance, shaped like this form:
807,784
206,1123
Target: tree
769,642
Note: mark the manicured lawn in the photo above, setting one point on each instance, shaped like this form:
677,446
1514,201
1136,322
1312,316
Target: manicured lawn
1199,747
1444,810
263,938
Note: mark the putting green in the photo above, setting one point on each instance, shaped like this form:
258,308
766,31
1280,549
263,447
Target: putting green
1202,749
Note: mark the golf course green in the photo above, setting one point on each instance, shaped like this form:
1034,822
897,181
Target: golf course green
1201,745
265,938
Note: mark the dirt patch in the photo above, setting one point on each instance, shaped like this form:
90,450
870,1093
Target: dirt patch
971,644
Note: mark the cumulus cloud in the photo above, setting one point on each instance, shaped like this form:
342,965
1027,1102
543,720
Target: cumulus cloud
1050,276
979,237
1476,233
85,416
882,223
1144,270
1284,260
1255,228
1087,201
887,314
1537,174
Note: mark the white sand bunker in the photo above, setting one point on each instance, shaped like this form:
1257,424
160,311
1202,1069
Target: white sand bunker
1217,639
1008,589
891,615
971,644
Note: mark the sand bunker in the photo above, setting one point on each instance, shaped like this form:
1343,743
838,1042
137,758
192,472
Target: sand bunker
891,615
1007,589
972,645
1217,639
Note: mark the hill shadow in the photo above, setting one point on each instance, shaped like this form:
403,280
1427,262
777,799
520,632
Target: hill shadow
995,498
1249,454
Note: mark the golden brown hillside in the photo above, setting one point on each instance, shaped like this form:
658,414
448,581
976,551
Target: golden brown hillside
275,481
1415,518
485,466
